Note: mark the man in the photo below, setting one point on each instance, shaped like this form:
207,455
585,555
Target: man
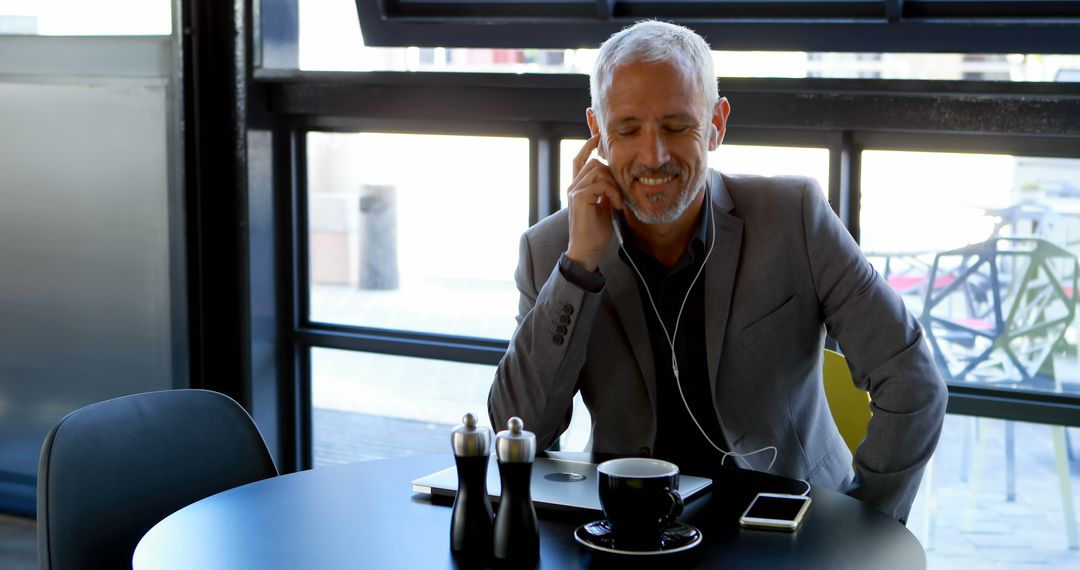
690,307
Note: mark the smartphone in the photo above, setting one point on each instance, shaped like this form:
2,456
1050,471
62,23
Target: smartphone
775,511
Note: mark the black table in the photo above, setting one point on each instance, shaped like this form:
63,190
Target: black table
365,515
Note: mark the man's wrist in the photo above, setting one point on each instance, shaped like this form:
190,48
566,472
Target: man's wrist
590,281
588,263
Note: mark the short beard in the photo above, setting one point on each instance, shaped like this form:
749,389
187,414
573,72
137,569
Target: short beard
683,201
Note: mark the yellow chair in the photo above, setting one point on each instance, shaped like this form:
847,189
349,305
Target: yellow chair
850,406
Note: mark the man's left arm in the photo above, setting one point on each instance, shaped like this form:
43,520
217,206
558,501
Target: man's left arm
884,346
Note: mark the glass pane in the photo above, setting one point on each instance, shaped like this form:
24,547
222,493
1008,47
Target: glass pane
330,40
82,18
983,250
773,161
964,515
373,406
733,159
405,233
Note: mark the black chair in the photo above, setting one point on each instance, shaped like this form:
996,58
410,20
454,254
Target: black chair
110,471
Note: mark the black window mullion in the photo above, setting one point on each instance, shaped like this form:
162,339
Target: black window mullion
405,343
305,432
554,178
538,155
854,189
298,392
301,234
840,177
548,173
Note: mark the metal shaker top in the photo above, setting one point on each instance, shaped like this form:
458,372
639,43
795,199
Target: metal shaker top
470,440
514,444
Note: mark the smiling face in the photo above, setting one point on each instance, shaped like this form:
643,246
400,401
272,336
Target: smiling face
657,132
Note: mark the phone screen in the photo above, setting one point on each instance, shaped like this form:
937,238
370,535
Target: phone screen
776,508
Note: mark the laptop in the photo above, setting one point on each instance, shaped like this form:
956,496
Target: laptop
557,484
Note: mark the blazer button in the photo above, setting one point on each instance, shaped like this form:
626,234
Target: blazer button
560,329
564,319
557,339
645,452
568,309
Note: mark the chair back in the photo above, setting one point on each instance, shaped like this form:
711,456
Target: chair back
849,405
110,471
998,308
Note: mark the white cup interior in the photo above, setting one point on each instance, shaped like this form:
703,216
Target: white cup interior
638,467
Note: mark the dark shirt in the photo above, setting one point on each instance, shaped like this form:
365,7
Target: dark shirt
677,438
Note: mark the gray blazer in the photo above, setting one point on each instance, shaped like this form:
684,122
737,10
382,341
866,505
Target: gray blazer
784,272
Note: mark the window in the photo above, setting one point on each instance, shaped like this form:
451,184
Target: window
373,406
983,248
80,18
416,232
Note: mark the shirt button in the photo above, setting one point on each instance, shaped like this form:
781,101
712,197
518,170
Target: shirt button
564,319
557,339
568,309
645,452
560,329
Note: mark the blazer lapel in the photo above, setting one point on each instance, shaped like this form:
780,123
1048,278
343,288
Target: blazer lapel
720,271
624,299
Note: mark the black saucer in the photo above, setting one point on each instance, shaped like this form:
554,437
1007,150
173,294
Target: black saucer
677,537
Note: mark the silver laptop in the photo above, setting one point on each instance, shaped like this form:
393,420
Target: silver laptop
555,484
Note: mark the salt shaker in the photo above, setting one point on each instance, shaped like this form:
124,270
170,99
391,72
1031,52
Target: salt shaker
471,522
517,539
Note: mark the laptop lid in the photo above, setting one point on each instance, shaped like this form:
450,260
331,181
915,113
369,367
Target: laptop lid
555,484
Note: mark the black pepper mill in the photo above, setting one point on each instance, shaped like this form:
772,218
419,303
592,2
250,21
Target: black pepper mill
471,525
517,539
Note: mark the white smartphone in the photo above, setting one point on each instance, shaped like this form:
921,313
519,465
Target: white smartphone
775,511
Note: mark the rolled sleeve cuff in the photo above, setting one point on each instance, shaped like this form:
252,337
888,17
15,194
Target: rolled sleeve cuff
588,281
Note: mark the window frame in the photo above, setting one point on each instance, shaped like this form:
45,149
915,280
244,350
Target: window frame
959,26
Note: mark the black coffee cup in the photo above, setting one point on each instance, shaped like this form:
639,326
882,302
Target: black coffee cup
640,498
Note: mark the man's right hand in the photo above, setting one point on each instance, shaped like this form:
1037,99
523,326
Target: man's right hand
591,198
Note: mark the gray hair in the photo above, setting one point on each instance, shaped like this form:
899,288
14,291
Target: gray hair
652,41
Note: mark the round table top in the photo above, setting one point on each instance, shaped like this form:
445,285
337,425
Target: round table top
365,515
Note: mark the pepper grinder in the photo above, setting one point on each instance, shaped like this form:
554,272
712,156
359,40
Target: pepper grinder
471,525
517,539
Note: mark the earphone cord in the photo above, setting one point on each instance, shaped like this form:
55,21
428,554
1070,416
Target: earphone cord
671,339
